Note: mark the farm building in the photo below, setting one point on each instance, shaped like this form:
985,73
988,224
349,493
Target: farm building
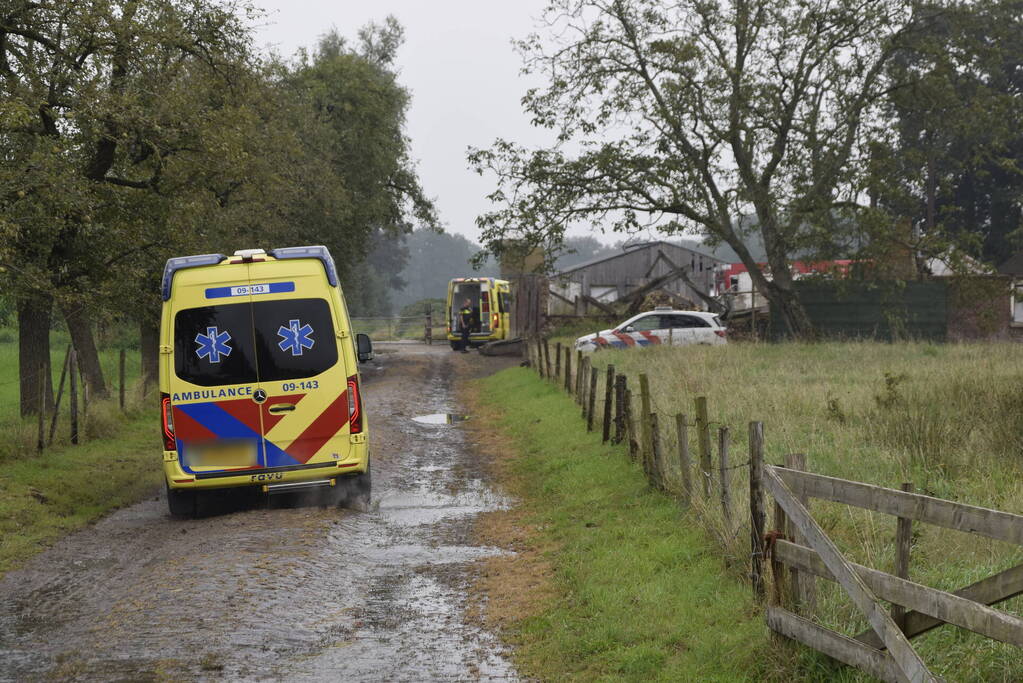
667,266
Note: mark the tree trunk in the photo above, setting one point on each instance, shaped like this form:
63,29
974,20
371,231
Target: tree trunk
33,351
786,309
149,348
80,327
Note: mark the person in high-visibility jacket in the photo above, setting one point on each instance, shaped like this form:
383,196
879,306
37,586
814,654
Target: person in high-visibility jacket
465,323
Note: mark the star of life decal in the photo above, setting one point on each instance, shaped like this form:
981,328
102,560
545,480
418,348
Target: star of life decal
213,345
295,337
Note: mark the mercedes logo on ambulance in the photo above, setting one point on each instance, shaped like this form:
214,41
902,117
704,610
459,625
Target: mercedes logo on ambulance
259,396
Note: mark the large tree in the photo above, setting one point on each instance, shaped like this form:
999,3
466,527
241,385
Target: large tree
719,118
94,117
954,169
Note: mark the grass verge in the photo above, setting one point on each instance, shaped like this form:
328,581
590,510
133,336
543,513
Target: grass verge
46,495
947,418
43,497
632,590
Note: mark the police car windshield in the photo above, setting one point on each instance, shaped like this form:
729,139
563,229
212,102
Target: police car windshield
265,341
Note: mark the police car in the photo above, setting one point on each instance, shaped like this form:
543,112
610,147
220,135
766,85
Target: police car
657,327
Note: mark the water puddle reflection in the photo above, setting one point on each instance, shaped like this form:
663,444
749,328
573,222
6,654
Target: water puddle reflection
440,419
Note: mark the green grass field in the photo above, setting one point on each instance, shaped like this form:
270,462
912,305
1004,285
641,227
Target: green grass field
641,594
43,496
947,418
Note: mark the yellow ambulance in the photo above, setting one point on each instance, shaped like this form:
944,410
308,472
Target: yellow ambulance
490,301
259,379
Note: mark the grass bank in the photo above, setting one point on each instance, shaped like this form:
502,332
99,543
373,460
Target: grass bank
947,418
633,589
43,497
46,495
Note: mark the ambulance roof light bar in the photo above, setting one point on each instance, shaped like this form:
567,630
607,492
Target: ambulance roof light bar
182,262
249,255
317,252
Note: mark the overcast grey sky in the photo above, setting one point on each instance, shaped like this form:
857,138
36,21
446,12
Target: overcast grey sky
458,62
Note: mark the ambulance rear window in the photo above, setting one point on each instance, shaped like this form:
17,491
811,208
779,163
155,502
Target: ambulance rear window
213,345
294,338
248,342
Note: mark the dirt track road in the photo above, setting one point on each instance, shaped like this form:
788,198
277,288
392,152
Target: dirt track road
277,592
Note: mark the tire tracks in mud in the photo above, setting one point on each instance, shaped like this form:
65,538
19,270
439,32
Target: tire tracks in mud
282,591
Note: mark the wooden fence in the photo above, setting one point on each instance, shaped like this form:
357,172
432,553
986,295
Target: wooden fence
796,548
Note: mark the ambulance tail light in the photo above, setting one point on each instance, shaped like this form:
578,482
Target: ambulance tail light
167,420
495,321
354,406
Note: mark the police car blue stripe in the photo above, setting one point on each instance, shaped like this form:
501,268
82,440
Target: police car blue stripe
246,290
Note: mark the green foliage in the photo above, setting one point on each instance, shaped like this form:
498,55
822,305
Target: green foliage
731,120
136,130
953,164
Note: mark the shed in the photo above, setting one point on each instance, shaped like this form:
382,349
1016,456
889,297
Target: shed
680,269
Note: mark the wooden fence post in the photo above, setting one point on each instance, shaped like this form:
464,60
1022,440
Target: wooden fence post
591,398
756,506
630,426
579,377
568,370
903,544
619,411
85,392
804,584
539,357
703,436
73,397
546,359
60,393
429,325
40,441
657,478
120,373
609,386
582,374
726,494
684,461
557,363
644,416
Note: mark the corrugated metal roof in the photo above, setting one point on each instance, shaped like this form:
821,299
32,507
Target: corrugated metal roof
646,245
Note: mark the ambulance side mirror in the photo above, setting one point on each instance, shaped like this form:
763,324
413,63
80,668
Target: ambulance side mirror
363,348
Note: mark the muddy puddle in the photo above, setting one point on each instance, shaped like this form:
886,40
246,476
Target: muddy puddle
440,419
280,592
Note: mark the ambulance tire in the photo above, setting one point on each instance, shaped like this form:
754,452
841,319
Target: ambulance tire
181,503
357,490
456,346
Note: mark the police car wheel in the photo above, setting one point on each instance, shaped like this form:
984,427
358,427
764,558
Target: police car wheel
181,503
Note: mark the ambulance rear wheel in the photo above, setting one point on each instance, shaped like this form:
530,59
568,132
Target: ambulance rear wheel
180,502
357,490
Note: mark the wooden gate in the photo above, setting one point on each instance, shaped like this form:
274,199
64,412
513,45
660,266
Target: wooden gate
798,546
529,305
